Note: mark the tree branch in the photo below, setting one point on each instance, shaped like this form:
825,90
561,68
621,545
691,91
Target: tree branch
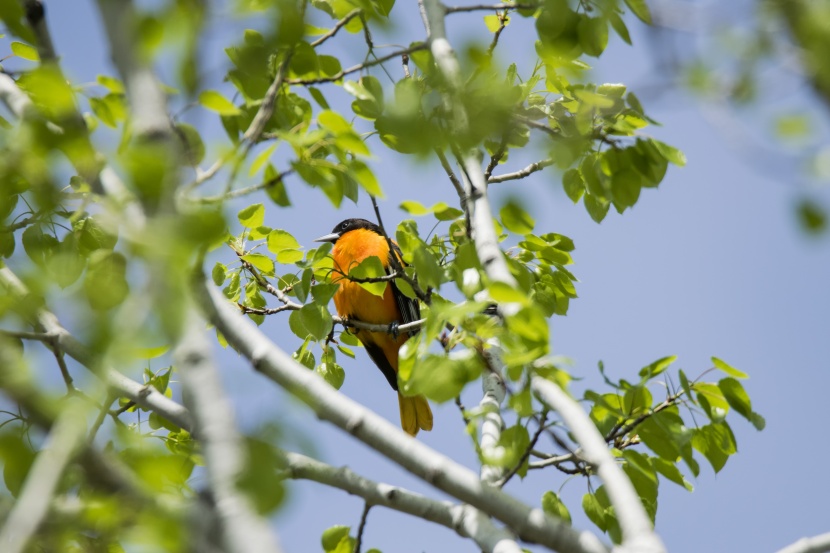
358,67
61,445
242,529
637,531
147,99
463,519
337,26
146,396
816,544
489,7
529,170
531,525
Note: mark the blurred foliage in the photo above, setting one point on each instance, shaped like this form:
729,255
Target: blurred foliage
122,285
764,66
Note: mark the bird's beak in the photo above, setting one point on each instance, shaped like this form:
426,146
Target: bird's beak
328,238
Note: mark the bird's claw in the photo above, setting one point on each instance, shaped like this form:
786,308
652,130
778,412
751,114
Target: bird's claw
393,329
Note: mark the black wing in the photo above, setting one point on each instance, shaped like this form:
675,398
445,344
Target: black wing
376,354
410,308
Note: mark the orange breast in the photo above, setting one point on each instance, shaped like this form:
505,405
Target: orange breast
354,302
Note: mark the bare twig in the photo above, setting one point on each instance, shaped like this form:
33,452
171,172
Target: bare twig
337,26
529,170
358,67
490,7
397,264
506,478
363,517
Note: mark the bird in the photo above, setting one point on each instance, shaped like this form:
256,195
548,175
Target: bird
355,240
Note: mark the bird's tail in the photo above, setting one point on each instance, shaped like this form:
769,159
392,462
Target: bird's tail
415,414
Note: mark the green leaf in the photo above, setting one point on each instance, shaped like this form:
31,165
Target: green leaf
728,369
260,480
333,536
25,51
279,240
671,472
194,146
619,27
670,153
739,400
716,442
371,267
364,176
640,9
260,261
219,274
332,373
252,216
553,506
261,159
91,236
111,83
214,101
316,321
594,510
516,219
414,208
522,403
494,22
657,367
105,283
573,184
323,292
596,208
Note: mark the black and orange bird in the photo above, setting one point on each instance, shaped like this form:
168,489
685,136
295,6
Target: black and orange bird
355,240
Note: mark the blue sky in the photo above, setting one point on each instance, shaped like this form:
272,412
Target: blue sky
711,263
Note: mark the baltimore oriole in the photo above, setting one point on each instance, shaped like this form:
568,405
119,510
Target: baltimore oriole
355,240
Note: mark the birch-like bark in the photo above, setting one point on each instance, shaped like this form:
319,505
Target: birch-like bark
148,102
467,521
242,529
142,394
62,443
638,534
634,522
815,544
531,525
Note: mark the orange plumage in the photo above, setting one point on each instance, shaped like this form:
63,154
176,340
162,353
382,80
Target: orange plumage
355,240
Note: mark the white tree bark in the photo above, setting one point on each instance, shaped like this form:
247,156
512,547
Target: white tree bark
531,525
637,531
243,530
142,394
816,544
63,442
467,521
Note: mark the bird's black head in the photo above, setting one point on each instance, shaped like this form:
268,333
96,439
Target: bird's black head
347,226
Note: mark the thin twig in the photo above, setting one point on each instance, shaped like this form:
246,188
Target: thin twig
358,67
337,26
99,420
526,453
529,170
396,263
489,8
359,540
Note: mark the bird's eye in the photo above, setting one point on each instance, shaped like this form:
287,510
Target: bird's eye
344,225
